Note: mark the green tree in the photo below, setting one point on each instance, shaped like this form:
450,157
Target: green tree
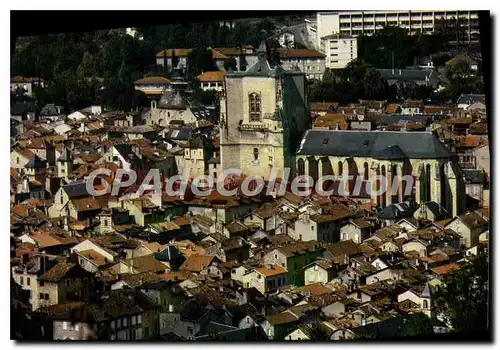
462,299
460,78
199,60
419,324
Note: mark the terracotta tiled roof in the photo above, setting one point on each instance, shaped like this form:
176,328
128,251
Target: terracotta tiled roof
178,52
197,263
154,246
273,271
146,263
467,141
323,106
392,108
461,121
216,55
86,204
45,240
25,152
58,272
152,80
445,269
94,256
282,318
212,76
175,276
317,289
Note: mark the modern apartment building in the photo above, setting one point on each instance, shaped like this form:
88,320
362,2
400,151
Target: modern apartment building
357,23
339,50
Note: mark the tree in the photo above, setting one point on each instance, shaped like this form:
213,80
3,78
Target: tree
199,60
230,62
419,324
319,332
461,79
462,299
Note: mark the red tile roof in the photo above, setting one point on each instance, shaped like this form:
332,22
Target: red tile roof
212,76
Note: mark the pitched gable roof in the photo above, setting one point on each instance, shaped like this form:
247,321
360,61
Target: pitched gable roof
370,144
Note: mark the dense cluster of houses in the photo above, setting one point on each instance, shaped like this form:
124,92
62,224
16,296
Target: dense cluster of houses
125,267
130,266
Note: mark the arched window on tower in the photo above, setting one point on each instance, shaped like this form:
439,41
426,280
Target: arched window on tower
255,107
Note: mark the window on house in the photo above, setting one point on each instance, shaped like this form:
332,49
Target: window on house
139,319
359,295
17,160
21,280
190,330
41,296
255,107
65,325
112,324
28,281
426,304
119,323
124,322
77,327
47,296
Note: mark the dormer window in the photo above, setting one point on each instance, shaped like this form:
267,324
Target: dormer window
255,107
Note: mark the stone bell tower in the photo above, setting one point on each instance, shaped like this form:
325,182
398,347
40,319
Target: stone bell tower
264,113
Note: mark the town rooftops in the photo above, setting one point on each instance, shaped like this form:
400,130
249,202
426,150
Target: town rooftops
177,52
58,272
272,271
372,144
472,220
76,189
197,263
152,81
212,76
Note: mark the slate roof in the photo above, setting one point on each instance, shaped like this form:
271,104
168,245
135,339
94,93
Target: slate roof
167,254
397,210
203,112
474,176
35,162
179,134
400,119
372,144
470,99
392,152
126,152
76,189
50,109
